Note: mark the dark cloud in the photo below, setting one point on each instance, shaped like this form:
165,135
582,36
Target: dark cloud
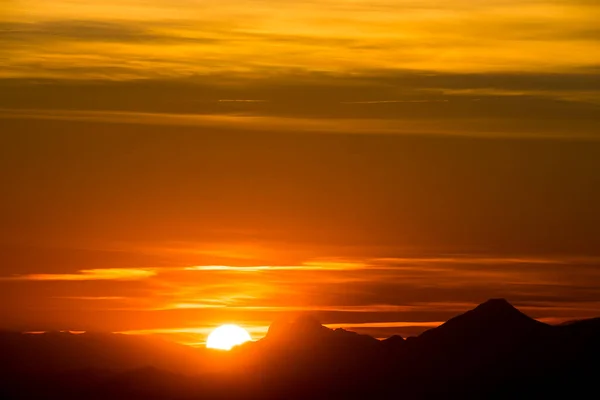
154,33
89,31
507,104
23,259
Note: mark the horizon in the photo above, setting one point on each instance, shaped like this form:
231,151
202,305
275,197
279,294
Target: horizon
403,329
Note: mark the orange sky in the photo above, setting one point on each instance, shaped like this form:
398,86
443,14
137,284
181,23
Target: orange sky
173,165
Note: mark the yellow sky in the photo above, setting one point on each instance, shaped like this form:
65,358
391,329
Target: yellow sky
127,39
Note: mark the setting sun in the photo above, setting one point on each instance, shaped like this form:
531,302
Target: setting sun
227,336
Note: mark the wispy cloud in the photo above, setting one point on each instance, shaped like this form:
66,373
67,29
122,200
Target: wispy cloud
308,266
241,101
499,260
205,330
394,101
90,275
395,324
381,296
91,298
361,126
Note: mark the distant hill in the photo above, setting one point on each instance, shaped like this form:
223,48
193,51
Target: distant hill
492,351
64,351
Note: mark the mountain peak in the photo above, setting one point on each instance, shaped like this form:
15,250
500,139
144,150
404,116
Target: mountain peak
496,305
497,311
495,318
303,326
306,330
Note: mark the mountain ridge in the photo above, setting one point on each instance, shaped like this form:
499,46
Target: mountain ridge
492,349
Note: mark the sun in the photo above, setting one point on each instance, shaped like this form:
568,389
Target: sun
227,336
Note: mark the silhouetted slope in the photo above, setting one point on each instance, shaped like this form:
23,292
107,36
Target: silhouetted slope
394,341
308,331
494,317
473,350
491,324
63,351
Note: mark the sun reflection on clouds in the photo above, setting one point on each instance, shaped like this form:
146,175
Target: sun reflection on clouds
308,266
371,295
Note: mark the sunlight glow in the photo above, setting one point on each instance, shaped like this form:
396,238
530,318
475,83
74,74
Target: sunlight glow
226,337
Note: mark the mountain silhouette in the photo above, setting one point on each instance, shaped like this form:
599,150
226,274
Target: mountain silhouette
306,330
305,326
395,341
495,321
493,314
491,351
63,351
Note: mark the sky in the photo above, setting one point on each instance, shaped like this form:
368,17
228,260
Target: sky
169,166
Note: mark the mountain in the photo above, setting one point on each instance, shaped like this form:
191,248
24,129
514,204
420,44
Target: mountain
494,314
308,331
492,351
487,346
494,322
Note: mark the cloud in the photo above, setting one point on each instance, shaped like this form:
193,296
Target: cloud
90,31
395,324
90,275
394,101
381,295
387,288
307,266
126,41
241,101
91,298
541,105
573,130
